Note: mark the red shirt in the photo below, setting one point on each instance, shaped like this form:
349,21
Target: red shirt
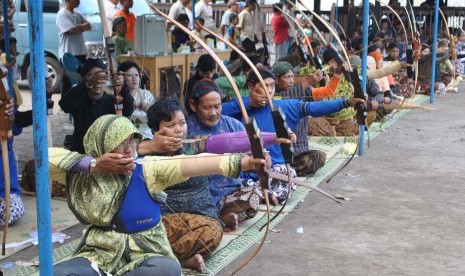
130,23
280,28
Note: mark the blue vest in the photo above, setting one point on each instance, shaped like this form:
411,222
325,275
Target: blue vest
138,211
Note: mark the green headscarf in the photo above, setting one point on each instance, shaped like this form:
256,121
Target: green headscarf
96,198
282,67
106,133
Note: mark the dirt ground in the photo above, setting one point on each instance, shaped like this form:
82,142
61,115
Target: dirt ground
404,217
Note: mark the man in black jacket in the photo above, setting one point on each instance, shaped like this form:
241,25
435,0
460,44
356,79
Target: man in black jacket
87,101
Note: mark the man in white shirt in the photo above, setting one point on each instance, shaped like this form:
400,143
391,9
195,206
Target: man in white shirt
70,25
204,9
246,26
233,8
111,7
176,9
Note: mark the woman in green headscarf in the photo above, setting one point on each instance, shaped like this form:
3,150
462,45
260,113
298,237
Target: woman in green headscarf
125,234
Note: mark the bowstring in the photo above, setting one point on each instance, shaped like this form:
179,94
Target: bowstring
180,219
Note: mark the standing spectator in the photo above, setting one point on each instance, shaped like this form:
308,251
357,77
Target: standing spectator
290,10
204,9
129,16
280,28
225,22
232,32
11,10
190,15
70,25
122,44
178,36
198,32
176,9
246,27
111,8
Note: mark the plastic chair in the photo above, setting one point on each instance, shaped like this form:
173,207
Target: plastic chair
71,65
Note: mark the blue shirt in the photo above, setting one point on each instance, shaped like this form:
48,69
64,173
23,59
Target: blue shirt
293,109
220,186
14,185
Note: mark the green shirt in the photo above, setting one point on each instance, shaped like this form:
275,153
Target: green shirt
122,46
227,89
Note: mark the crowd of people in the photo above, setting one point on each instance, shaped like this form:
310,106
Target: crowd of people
155,184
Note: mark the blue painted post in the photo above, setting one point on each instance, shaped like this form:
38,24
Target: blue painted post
366,22
434,48
6,31
38,67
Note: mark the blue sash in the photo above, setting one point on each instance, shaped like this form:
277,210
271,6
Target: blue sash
138,211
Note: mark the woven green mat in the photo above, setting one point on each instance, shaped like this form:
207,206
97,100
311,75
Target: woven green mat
250,234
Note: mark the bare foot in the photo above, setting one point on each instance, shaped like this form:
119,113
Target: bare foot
274,200
195,262
231,220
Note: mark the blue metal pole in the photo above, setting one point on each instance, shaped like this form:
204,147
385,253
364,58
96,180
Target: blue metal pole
36,40
366,22
6,31
434,48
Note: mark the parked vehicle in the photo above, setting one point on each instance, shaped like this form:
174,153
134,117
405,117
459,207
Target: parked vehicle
93,38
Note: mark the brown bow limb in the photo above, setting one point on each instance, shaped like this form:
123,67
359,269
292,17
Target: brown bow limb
374,19
309,20
309,46
451,40
342,29
251,127
287,151
6,133
369,45
403,27
110,50
280,124
416,43
330,29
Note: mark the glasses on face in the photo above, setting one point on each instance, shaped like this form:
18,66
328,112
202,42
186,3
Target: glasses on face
129,75
130,143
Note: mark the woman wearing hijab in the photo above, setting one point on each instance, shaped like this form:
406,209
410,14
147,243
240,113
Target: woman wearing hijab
126,235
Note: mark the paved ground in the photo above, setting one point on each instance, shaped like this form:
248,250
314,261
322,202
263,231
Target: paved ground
406,211
405,216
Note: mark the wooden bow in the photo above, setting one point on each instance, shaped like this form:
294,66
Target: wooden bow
451,40
416,43
403,28
110,54
351,76
278,119
309,46
6,133
266,52
251,126
330,29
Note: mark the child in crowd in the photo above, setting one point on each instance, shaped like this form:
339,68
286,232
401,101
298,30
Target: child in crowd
122,44
198,32
233,33
178,36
